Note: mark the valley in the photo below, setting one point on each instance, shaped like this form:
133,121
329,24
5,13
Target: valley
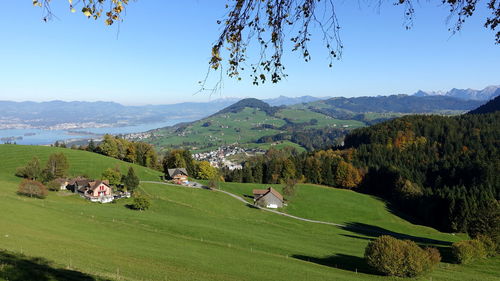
196,234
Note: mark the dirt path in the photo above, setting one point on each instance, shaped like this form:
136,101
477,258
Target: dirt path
247,203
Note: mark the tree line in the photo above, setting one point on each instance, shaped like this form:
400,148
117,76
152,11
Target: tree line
327,167
144,154
139,153
442,171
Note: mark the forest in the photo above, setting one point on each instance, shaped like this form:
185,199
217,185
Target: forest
441,171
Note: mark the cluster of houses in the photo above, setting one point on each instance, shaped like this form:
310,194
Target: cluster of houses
219,158
101,191
267,198
93,190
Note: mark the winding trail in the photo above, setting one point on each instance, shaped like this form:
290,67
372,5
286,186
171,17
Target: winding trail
376,232
239,198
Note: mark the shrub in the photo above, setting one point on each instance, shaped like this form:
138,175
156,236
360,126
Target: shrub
31,171
468,250
32,189
141,202
487,223
400,258
434,255
54,185
490,247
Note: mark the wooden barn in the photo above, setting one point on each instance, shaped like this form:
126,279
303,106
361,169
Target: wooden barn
268,198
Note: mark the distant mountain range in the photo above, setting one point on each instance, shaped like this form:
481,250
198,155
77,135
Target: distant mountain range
283,100
77,114
90,114
485,94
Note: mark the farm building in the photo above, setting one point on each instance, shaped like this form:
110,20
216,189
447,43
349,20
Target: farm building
77,183
178,175
269,198
97,191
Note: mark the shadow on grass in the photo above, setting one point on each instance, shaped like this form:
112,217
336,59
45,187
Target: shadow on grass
17,267
376,231
371,232
252,206
341,261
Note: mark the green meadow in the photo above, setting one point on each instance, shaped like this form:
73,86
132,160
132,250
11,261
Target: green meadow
196,234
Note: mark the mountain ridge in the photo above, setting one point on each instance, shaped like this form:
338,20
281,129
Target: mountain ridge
485,94
489,107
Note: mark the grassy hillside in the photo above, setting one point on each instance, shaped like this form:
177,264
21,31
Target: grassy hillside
248,120
360,108
194,234
243,127
342,206
80,162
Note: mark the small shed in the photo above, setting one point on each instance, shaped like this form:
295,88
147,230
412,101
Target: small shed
269,198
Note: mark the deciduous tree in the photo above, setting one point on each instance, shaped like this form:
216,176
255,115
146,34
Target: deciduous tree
206,171
57,166
32,189
113,175
31,171
347,176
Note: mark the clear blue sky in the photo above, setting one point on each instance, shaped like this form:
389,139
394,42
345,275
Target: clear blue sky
163,48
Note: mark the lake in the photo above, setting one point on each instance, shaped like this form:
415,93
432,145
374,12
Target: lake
45,137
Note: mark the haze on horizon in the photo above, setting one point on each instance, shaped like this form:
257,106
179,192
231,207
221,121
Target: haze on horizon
159,55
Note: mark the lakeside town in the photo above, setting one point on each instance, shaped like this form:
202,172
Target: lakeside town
226,156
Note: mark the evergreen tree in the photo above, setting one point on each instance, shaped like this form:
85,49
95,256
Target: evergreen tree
91,147
131,181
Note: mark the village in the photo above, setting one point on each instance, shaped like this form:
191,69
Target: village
225,156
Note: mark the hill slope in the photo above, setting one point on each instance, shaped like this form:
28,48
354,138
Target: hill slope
384,107
195,234
253,123
489,107
242,123
80,162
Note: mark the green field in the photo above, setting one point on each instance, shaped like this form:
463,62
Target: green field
305,115
195,234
